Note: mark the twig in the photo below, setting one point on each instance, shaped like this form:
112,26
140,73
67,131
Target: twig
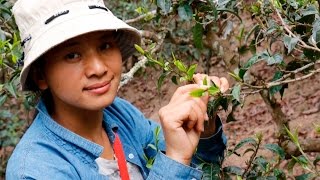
245,93
297,70
271,84
126,77
285,26
151,13
276,83
251,160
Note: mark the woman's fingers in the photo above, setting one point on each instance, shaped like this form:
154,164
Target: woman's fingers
184,90
222,82
196,118
215,80
224,85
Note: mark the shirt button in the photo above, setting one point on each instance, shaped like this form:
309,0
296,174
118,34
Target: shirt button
131,156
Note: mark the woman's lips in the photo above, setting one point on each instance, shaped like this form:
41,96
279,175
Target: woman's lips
98,88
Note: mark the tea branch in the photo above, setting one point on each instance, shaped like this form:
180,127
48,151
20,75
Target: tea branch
290,73
141,17
291,34
276,83
311,73
126,77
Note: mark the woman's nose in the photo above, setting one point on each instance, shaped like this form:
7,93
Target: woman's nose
95,66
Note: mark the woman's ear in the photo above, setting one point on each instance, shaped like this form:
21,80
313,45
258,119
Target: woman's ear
39,79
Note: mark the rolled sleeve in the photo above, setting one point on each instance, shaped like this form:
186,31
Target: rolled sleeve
166,168
211,149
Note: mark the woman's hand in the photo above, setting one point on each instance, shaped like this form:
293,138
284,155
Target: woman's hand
183,119
223,84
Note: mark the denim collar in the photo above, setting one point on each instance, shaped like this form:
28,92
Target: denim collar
70,137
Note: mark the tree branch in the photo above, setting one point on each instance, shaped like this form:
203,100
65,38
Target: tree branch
297,70
285,26
151,13
271,84
276,83
126,77
308,145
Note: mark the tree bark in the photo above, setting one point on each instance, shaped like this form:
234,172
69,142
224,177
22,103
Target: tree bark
308,145
278,116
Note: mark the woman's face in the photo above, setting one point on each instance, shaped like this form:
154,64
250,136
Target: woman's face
84,72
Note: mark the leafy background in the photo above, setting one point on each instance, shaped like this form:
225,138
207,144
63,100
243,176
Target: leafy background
267,49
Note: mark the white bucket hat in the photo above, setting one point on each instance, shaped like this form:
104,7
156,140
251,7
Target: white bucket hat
43,24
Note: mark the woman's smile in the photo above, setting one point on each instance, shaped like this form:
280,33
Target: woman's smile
98,88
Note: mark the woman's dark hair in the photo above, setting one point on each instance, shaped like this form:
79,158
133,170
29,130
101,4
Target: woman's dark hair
36,70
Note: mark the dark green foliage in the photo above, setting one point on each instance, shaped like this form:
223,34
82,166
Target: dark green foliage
192,23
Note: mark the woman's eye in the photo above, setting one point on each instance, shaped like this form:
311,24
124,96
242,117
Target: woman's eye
72,56
105,46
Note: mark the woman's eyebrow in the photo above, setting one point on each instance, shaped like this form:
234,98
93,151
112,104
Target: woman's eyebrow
70,44
108,36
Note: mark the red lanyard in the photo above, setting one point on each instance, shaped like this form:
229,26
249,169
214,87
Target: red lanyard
122,163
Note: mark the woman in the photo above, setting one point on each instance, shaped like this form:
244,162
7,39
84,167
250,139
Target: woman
73,55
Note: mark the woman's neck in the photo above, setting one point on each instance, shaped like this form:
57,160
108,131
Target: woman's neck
86,123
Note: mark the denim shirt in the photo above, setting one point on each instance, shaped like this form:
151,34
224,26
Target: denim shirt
49,151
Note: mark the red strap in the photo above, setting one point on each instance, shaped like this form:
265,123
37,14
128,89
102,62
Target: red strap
122,163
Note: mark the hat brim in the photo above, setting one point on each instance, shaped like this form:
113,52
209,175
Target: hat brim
60,31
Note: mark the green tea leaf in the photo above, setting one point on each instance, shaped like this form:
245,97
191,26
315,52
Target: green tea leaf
174,80
245,141
197,35
161,79
276,149
293,136
11,89
213,106
5,114
254,59
290,42
224,103
235,77
273,90
157,131
230,118
242,72
197,93
139,49
150,163
302,160
275,59
291,164
164,5
261,162
307,176
233,170
213,90
180,65
310,10
191,71
236,92
248,150
3,99
205,81
185,12
279,173
252,30
152,146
